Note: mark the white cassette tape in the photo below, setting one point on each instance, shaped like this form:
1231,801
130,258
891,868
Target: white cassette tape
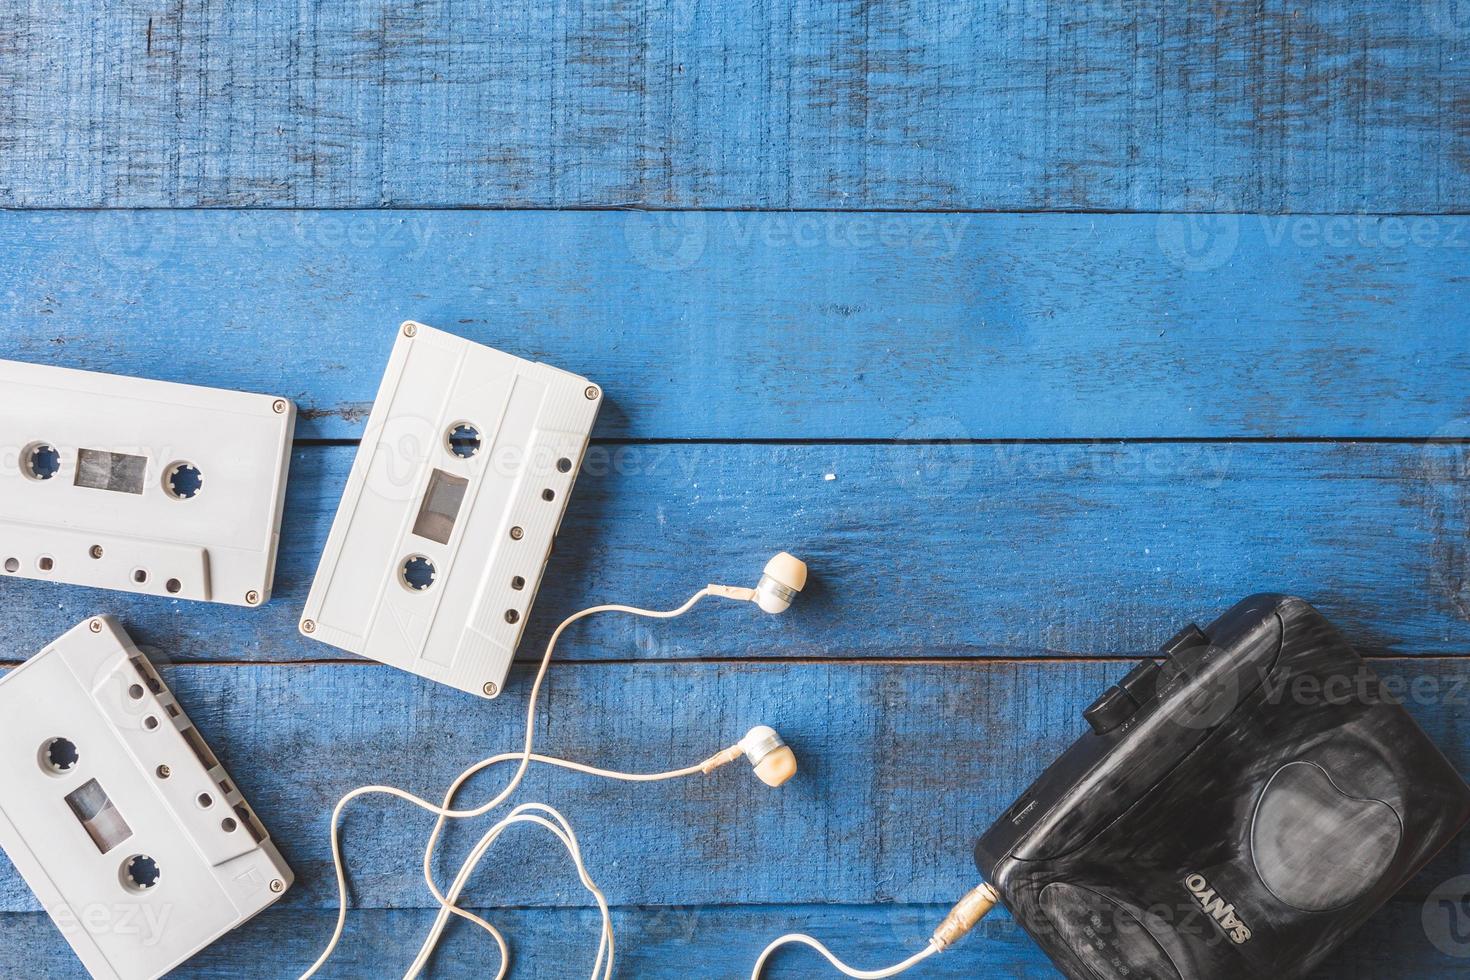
117,814
448,518
143,486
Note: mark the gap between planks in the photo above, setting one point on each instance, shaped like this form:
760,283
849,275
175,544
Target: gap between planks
785,661
1098,441
617,208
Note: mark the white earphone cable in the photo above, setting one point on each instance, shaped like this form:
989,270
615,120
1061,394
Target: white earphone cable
526,756
965,915
804,940
448,903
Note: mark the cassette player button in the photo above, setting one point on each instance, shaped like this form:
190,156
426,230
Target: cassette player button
1119,702
1114,707
1190,636
1183,652
1142,682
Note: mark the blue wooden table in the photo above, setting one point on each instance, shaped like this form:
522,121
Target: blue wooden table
1040,328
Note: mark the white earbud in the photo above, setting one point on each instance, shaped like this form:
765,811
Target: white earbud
769,755
768,752
783,578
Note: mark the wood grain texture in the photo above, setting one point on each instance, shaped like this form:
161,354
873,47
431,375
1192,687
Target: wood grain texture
902,767
1001,104
919,403
662,943
779,326
918,551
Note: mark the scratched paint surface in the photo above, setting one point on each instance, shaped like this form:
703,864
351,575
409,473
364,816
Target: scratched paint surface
1039,328
1271,106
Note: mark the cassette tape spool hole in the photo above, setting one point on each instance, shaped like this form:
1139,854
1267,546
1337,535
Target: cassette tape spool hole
40,461
463,440
417,573
183,481
140,873
59,756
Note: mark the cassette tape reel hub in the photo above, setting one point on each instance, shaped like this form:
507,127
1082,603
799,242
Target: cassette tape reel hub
448,517
118,815
142,486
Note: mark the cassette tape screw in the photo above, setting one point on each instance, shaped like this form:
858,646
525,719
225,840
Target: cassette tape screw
277,885
490,689
516,533
591,393
279,406
95,626
252,597
410,330
307,626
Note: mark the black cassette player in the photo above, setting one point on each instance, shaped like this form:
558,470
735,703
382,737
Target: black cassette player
1238,809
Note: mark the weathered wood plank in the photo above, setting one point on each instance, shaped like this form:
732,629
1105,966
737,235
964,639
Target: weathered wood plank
919,551
762,326
1001,104
662,943
902,766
